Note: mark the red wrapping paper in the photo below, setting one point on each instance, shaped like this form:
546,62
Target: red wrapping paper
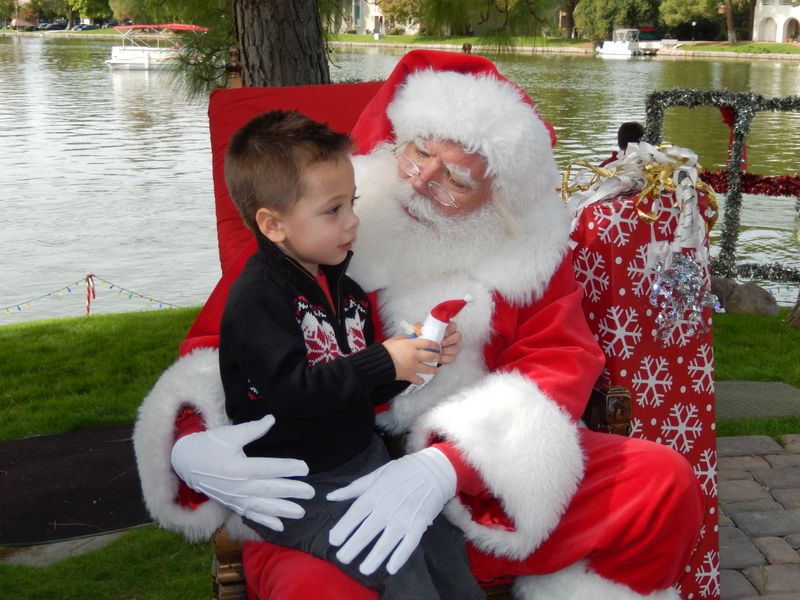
671,384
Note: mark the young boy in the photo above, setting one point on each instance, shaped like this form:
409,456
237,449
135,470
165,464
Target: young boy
296,341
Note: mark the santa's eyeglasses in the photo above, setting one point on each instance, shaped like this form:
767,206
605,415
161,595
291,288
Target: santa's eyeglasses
440,193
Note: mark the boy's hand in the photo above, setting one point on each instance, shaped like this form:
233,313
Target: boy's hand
451,344
409,356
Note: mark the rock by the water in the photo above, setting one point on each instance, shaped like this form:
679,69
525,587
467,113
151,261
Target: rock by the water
750,299
794,316
722,288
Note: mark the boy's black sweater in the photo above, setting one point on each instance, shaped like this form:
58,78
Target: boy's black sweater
278,356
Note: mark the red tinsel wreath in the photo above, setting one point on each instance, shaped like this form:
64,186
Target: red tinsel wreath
752,183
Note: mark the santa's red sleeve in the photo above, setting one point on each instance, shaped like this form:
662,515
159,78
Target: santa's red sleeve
518,426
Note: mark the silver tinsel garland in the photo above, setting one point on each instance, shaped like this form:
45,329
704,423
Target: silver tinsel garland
744,105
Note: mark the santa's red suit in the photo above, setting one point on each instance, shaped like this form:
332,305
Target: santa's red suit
566,512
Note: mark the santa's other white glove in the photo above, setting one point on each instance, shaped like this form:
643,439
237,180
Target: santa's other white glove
399,501
212,462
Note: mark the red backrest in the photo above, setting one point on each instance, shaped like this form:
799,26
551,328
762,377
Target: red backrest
338,105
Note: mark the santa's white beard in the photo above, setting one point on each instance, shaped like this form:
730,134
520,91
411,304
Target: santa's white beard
404,238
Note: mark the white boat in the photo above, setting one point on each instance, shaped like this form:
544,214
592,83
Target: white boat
149,47
625,42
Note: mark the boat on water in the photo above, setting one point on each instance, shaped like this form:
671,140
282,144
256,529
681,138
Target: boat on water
624,43
149,47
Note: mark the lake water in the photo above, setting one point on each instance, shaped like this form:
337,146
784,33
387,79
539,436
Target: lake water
109,172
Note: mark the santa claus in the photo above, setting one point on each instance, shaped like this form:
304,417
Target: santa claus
457,185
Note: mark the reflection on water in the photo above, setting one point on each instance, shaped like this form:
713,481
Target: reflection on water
110,172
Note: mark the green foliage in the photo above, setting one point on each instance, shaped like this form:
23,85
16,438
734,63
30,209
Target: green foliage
676,12
146,563
49,10
8,10
401,12
596,19
92,9
498,18
65,374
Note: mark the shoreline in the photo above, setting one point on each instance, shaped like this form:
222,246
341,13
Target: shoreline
576,50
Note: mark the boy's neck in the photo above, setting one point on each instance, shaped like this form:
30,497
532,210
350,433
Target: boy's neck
286,248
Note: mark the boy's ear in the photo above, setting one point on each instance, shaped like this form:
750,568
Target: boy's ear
269,223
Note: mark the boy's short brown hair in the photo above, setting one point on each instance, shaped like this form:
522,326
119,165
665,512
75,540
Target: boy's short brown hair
266,158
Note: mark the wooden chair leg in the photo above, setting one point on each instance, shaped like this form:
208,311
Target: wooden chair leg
227,574
500,592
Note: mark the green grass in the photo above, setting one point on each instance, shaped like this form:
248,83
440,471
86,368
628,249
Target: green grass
476,41
146,563
746,48
63,374
757,348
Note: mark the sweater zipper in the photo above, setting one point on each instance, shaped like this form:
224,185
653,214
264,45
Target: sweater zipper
338,312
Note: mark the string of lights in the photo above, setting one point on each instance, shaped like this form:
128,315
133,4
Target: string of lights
89,281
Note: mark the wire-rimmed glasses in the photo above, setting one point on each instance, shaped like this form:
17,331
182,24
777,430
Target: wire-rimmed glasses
440,193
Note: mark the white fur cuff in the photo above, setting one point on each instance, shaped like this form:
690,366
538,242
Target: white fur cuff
578,581
526,449
193,380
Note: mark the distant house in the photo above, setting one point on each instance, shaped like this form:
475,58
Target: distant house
776,21
365,17
361,16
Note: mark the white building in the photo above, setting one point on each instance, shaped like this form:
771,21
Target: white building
363,16
776,21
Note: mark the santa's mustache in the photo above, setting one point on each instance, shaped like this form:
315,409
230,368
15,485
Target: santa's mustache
417,205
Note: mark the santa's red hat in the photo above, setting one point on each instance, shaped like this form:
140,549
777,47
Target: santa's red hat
459,97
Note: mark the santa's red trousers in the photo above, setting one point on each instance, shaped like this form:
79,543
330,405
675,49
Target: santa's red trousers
635,518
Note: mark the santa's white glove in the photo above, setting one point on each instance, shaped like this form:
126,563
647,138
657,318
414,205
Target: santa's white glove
398,502
212,462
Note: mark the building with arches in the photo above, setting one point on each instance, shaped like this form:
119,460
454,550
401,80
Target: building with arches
777,21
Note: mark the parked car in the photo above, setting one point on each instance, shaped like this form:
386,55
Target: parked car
58,26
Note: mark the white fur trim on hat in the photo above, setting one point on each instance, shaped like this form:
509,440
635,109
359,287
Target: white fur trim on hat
577,582
193,380
526,449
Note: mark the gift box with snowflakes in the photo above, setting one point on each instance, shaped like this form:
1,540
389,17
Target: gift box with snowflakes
640,244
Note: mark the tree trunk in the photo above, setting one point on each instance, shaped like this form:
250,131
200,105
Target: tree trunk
280,43
569,25
729,21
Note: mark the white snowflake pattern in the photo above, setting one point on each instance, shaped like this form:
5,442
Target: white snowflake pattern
639,273
652,381
701,369
706,472
619,332
681,333
668,219
707,575
682,427
636,428
590,272
354,316
615,227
